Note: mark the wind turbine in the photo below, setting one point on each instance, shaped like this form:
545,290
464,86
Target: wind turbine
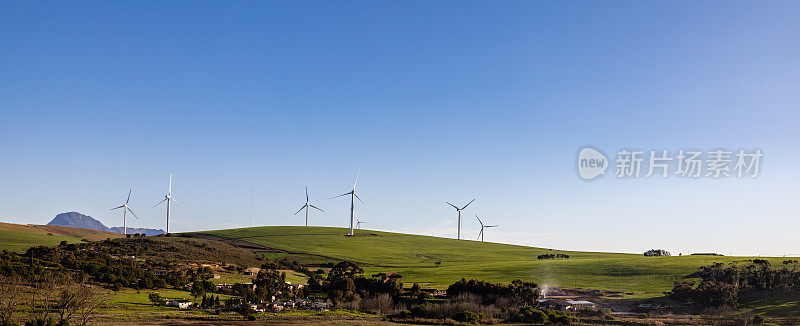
125,210
306,207
168,198
480,235
358,225
459,215
353,197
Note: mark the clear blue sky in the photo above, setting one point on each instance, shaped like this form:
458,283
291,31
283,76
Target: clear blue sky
435,101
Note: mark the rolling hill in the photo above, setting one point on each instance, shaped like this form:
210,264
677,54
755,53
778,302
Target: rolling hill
415,258
19,237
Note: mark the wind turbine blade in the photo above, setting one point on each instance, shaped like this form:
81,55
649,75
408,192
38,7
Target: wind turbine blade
119,207
491,226
320,209
306,194
357,173
300,210
179,204
129,197
465,206
159,203
130,210
344,194
170,183
479,219
479,233
454,206
362,202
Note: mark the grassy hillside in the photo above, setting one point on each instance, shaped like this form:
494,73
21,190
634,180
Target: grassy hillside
19,237
414,257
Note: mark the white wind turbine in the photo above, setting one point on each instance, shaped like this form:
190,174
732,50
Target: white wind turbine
358,224
353,197
306,206
459,215
168,198
480,235
125,210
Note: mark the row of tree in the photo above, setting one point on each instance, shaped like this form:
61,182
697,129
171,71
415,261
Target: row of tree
720,285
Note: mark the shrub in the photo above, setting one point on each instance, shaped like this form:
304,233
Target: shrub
530,315
469,316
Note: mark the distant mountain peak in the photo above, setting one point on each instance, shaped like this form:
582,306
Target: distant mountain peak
78,220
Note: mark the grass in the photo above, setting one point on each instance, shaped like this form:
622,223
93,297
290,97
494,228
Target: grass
129,303
773,304
414,257
20,240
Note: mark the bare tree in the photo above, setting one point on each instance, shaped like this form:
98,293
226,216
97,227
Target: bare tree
67,301
41,298
11,296
89,302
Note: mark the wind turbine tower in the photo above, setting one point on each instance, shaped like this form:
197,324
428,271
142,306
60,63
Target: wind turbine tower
306,206
125,210
480,235
168,198
459,215
353,197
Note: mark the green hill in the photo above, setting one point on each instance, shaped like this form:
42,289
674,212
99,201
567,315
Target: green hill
415,257
19,237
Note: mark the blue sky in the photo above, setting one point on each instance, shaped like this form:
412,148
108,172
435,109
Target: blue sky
434,101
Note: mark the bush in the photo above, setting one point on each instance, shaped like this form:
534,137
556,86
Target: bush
564,320
40,322
758,319
530,315
469,317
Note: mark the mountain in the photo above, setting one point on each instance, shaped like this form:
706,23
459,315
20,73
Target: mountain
146,231
78,220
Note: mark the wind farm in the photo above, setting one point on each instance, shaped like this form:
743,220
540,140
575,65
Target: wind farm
636,163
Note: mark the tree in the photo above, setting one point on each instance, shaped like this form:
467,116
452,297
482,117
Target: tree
40,299
67,303
269,283
156,299
681,292
89,302
198,289
10,297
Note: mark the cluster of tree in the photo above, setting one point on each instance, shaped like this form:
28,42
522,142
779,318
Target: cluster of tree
210,301
108,262
476,301
720,285
518,293
552,256
49,299
346,283
657,253
88,261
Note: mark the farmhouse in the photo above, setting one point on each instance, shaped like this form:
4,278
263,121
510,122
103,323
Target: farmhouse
180,304
578,305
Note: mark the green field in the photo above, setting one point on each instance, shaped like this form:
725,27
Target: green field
13,240
20,237
414,257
